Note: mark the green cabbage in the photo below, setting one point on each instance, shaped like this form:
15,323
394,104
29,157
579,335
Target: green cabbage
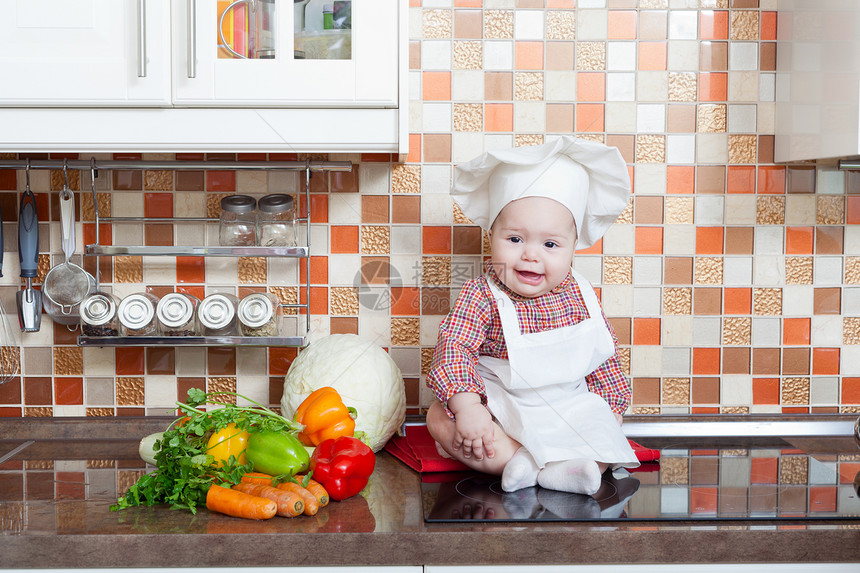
364,375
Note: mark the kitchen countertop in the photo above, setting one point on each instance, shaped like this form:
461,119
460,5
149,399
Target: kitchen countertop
55,494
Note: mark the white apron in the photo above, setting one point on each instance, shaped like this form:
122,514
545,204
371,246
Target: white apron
539,395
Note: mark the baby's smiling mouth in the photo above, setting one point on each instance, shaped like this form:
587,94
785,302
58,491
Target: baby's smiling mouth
530,277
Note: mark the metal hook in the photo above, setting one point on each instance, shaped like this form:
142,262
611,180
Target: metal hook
66,190
27,173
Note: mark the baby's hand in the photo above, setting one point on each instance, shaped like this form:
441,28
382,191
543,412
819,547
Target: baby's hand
474,432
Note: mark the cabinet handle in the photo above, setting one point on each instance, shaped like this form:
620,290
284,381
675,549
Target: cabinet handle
141,38
192,38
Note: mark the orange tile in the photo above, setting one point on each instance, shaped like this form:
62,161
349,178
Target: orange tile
319,300
9,412
713,86
622,25
706,360
414,3
646,331
158,204
567,4
68,391
589,117
850,391
221,181
704,500
437,86
704,410
344,239
375,158
405,301
595,249
764,470
771,179
436,240
767,25
191,270
796,331
280,360
847,471
528,56
414,155
799,240
822,498
852,210
825,361
590,86
765,390
319,208
681,179
652,56
499,117
468,3
130,361
738,301
714,25
740,179
709,240
105,233
319,271
649,240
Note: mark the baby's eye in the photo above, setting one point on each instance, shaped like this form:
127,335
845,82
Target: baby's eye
550,244
515,240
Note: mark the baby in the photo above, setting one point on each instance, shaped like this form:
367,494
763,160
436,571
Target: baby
525,367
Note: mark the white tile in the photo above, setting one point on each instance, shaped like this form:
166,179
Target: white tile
673,501
676,330
850,300
437,3
767,87
620,56
766,117
681,4
620,86
822,473
529,117
647,270
284,182
254,183
769,271
71,411
498,141
679,240
97,361
560,86
797,300
342,269
683,56
591,24
436,179
743,86
712,148
406,268
851,242
429,329
159,391
680,148
743,56
436,209
826,330
676,361
646,361
499,4
741,118
706,331
437,117
849,361
591,4
189,204
498,55
125,204
827,271
619,240
589,266
766,331
528,25
374,179
284,271
737,271
740,209
617,300
735,471
408,360
824,391
650,118
647,301
830,182
652,86
683,25
464,268
436,55
620,117
159,270
414,80
405,240
254,387
768,240
464,146
467,85
375,324
650,178
709,209
416,108
800,209
344,209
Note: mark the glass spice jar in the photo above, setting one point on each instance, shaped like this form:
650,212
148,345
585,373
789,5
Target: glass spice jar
99,315
258,314
175,314
217,315
276,220
136,314
237,225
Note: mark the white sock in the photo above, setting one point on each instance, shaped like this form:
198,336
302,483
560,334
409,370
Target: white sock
520,471
574,476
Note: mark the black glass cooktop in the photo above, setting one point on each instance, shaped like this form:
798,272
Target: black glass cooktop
717,480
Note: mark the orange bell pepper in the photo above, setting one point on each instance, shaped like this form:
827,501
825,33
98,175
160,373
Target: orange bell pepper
325,417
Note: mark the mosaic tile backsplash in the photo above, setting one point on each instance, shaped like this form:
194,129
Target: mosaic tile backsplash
732,282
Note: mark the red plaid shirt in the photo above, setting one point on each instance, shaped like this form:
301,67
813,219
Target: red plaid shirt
473,328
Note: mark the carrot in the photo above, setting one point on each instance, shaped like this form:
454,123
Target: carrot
312,506
238,504
289,503
316,488
257,477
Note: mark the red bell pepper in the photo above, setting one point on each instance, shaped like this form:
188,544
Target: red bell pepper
343,466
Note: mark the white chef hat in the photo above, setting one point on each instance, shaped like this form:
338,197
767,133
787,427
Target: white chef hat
588,178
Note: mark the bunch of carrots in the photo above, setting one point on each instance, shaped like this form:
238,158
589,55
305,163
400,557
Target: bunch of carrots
260,496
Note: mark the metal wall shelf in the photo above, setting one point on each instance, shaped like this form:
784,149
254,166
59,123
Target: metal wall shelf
192,341
196,251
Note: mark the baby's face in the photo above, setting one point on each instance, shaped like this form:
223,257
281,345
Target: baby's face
532,243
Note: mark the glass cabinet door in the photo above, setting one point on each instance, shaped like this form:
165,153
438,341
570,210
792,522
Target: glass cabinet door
337,53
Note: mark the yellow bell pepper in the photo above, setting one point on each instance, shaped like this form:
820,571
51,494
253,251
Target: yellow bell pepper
324,416
228,441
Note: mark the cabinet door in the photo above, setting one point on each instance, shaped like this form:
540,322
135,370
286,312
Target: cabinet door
84,52
269,53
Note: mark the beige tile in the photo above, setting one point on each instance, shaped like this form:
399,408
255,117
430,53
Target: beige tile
157,180
737,410
742,149
798,270
222,384
674,470
375,240
682,86
43,265
653,4
287,295
744,25
213,204
498,24
595,137
68,361
405,331
39,412
436,271
793,470
646,411
253,270
127,478
737,331
626,216
526,139
405,178
58,179
591,56
459,217
711,118
618,270
767,301
709,270
129,391
795,391
436,24
560,25
99,412
528,86
850,330
679,210
624,360
128,269
650,149
468,55
675,391
770,210
344,301
426,360
831,210
852,270
678,300
87,211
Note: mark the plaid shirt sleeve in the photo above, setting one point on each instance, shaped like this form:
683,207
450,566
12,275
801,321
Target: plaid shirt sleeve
461,334
609,381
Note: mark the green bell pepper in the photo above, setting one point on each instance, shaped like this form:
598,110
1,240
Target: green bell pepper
277,453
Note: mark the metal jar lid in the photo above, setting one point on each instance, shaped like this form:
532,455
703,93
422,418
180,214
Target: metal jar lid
256,310
276,203
238,203
175,309
98,308
216,311
136,311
